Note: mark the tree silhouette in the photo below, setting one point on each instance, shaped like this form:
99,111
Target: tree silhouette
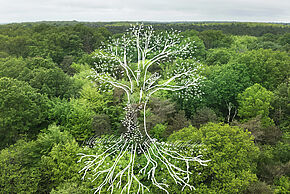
125,63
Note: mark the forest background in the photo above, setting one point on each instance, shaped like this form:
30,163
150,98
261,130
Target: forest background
49,107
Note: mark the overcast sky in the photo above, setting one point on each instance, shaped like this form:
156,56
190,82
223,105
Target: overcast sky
144,10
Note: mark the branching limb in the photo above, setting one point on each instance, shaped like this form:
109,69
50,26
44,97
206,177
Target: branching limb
171,88
107,79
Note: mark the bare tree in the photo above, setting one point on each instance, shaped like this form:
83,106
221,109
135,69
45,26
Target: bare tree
125,63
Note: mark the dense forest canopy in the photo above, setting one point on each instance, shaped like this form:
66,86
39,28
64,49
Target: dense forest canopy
50,106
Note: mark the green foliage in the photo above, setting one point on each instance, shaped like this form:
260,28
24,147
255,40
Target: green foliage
282,185
184,134
55,152
62,162
266,45
105,103
3,54
189,33
284,41
200,52
282,149
101,124
269,37
272,41
219,56
41,74
259,187
281,106
76,116
37,60
15,177
158,131
55,44
232,153
91,38
66,63
40,165
81,116
203,116
273,161
53,82
51,41
190,98
263,129
70,188
97,100
266,67
215,39
223,85
12,67
243,43
23,111
50,137
255,101
15,46
18,68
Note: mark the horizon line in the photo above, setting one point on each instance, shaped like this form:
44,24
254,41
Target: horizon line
150,21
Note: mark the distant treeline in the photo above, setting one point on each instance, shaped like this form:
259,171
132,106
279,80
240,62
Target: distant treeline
228,28
234,28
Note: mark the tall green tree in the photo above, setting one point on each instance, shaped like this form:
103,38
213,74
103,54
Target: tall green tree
15,174
232,153
254,101
52,82
223,84
266,67
12,67
23,111
40,165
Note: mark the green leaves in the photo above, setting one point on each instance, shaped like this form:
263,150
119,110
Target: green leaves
266,67
254,101
38,166
23,111
14,177
53,82
75,116
36,90
232,153
223,85
215,39
219,56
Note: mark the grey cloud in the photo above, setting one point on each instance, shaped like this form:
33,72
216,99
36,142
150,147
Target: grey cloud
162,10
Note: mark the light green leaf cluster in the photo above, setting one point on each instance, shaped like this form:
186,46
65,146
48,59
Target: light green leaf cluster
254,101
232,153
